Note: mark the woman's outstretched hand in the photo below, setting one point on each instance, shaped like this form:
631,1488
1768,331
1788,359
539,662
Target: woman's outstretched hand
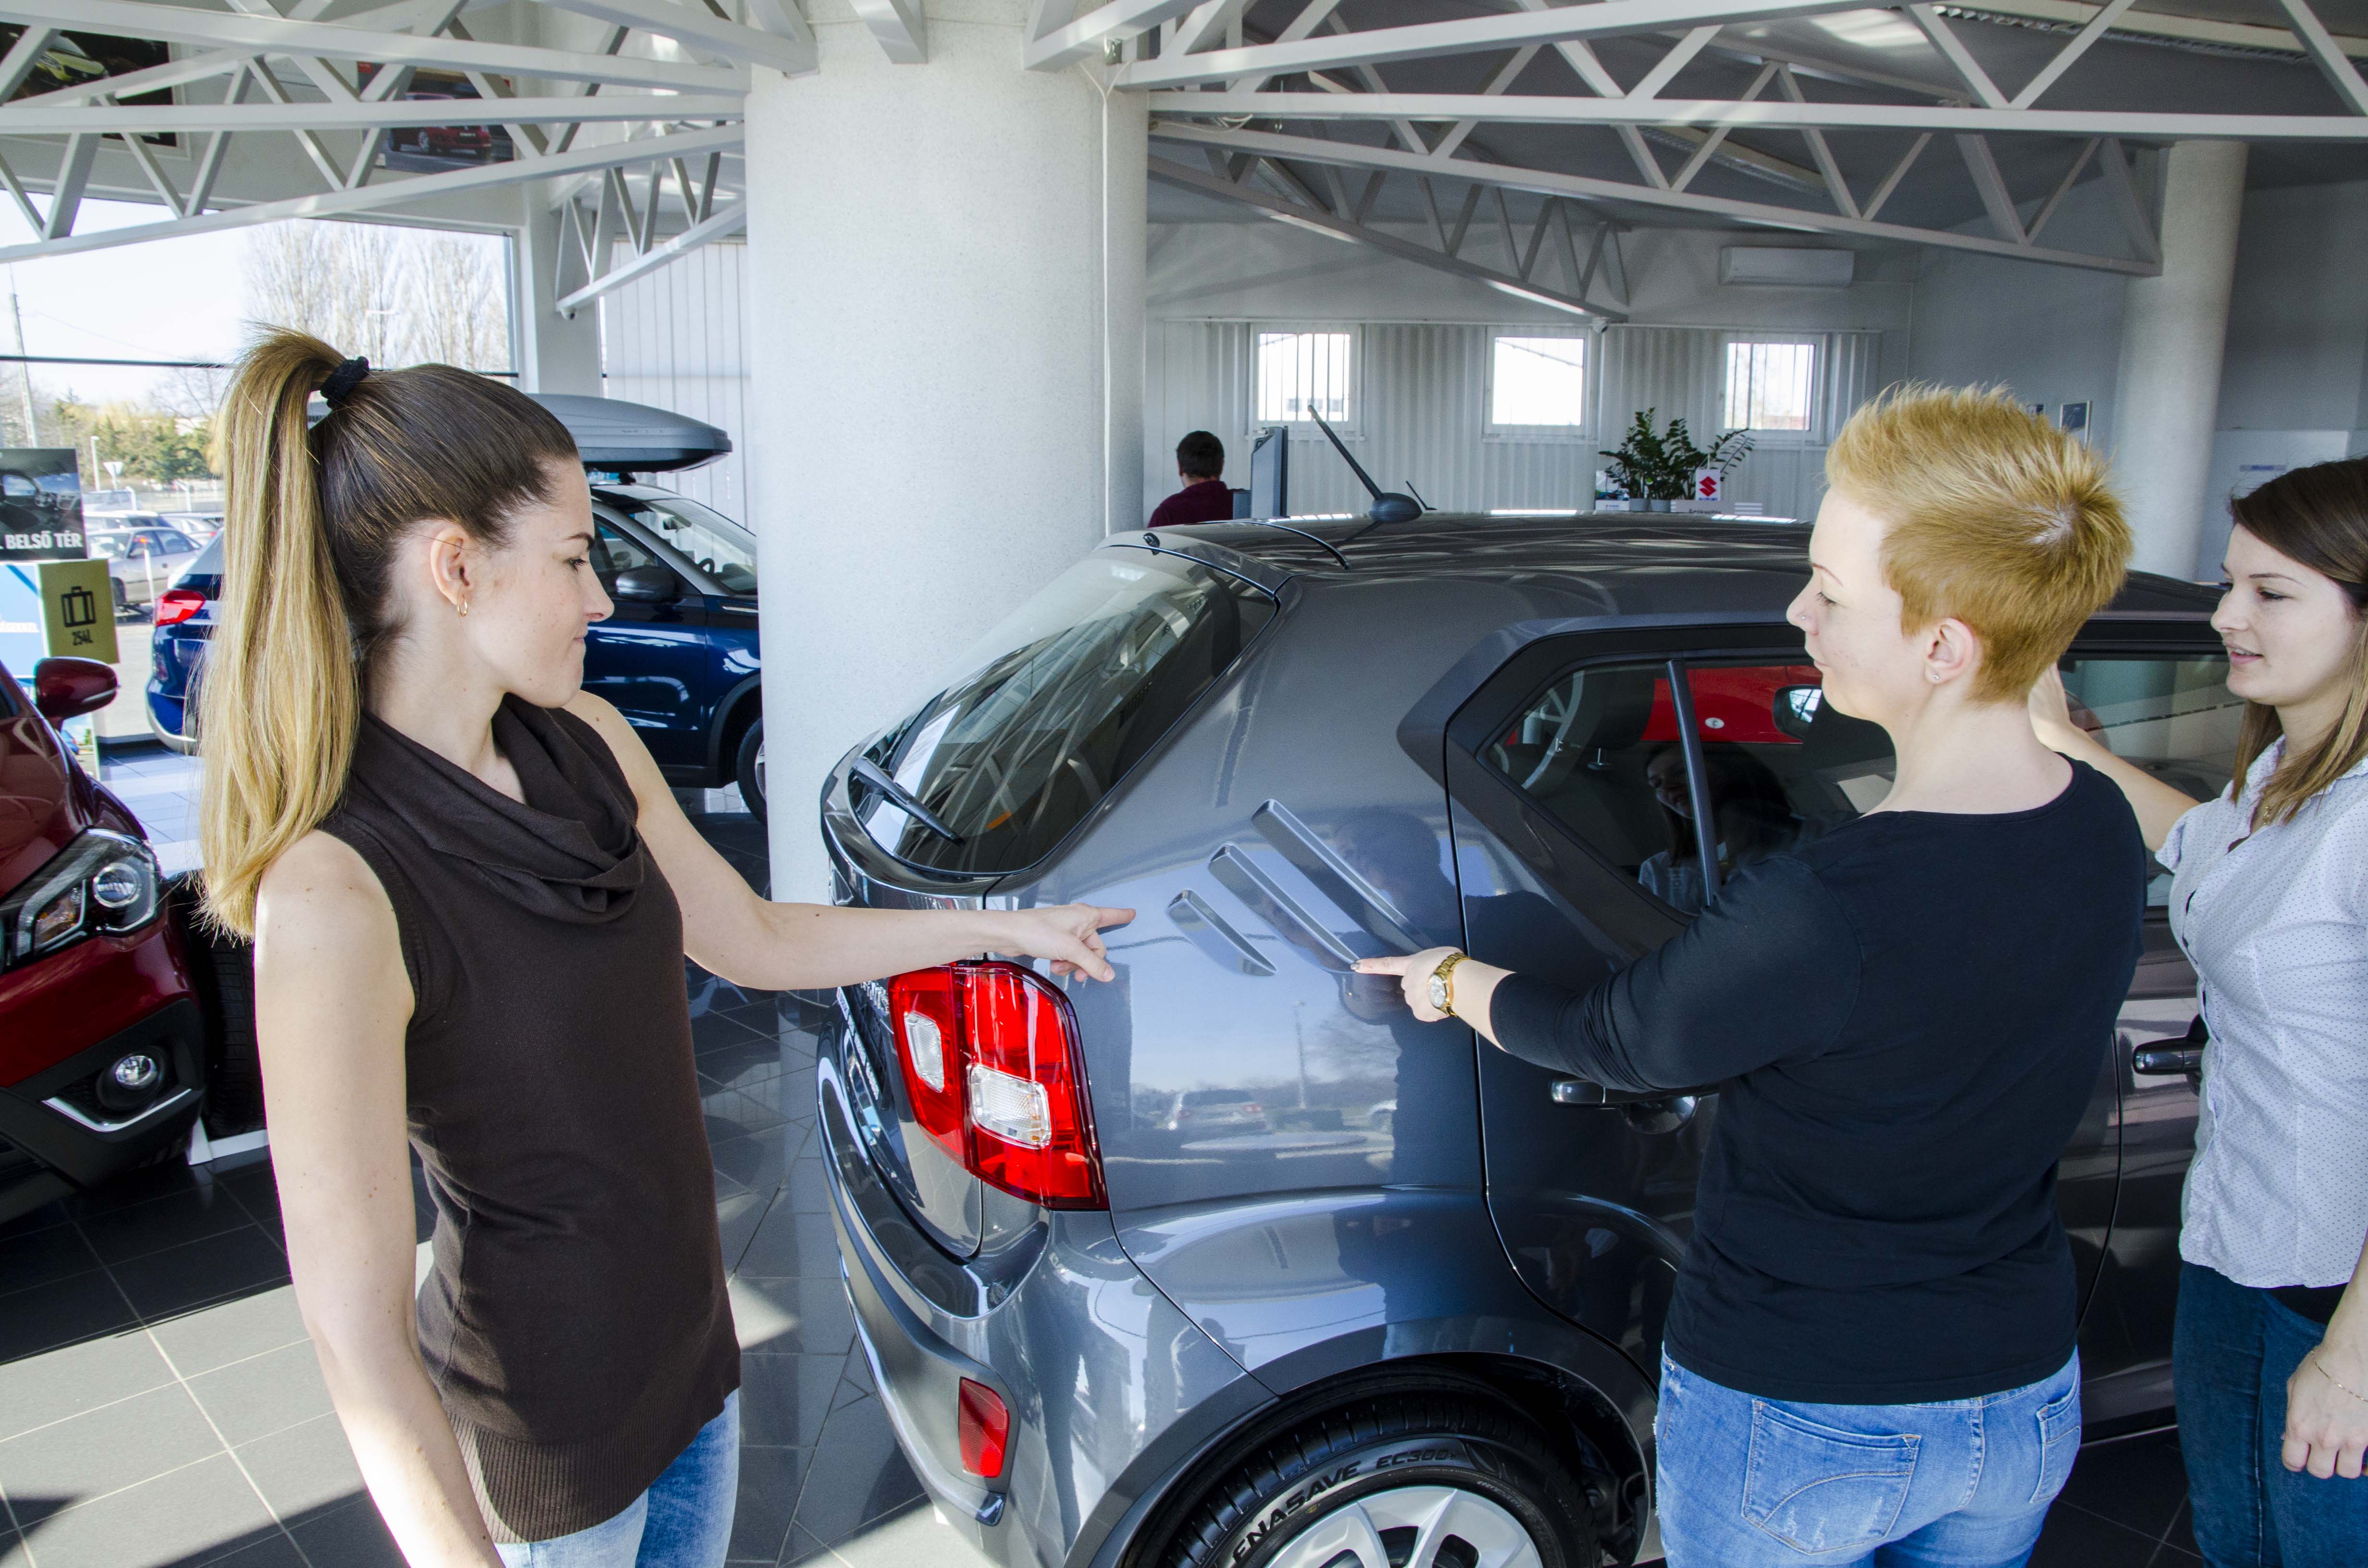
2058,724
1413,974
1067,934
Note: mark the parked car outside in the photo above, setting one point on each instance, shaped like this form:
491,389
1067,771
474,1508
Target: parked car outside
144,556
102,1034
1288,748
677,658
200,527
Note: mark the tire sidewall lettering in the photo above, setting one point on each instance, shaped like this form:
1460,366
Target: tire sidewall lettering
1385,1465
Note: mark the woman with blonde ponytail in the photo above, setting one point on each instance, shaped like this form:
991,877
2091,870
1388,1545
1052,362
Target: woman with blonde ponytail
2270,901
471,892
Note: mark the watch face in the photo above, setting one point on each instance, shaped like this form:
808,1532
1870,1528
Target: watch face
1439,992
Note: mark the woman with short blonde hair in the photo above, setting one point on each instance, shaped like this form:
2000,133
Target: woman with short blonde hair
1870,1354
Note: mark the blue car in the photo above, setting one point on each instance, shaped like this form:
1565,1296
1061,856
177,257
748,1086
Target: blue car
678,656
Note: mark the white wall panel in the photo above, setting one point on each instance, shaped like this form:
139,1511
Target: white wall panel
1421,408
673,339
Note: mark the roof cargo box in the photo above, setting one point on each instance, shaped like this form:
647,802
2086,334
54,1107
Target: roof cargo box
632,437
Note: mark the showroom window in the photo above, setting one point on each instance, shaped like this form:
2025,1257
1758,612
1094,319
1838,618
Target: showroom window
1304,373
1771,386
1537,386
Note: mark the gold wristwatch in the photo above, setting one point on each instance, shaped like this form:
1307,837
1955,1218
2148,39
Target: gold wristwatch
1442,983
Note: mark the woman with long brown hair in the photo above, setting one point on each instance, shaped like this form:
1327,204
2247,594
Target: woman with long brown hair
2270,901
471,892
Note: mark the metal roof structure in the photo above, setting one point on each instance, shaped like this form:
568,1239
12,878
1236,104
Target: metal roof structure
1405,125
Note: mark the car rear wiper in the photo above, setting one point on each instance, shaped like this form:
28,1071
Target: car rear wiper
872,773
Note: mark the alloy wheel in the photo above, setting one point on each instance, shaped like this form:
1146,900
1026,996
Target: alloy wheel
1414,1527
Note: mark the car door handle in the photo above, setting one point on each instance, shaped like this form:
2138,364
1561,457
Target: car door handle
1662,1112
2168,1059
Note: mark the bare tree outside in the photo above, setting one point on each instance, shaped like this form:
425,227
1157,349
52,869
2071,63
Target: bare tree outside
394,296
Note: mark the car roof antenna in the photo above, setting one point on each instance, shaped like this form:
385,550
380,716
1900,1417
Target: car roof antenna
1417,497
1388,507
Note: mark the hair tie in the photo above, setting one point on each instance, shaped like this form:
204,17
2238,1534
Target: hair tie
343,381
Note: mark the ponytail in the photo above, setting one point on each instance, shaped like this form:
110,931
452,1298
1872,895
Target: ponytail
314,518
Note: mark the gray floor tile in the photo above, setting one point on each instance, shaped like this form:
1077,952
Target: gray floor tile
101,1451
744,1059
37,1256
350,1536
712,1032
234,1263
784,1400
13,1553
231,1331
188,1516
305,1469
770,1479
58,1384
79,1307
173,1219
2074,1537
753,1162
2139,1484
790,1245
137,1186
729,1112
915,1534
793,1316
267,1393
857,1475
273,1550
802,1546
42,1219
807,1188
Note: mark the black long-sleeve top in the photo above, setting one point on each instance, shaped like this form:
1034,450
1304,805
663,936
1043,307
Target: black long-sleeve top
1905,1019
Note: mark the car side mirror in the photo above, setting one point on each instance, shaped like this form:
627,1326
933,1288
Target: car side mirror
1796,709
647,585
67,687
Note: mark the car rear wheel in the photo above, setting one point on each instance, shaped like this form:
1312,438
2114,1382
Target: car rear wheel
1431,1478
748,769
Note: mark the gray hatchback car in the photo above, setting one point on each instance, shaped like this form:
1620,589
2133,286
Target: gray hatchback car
1283,1329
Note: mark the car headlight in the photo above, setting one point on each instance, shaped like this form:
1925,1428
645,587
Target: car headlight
101,882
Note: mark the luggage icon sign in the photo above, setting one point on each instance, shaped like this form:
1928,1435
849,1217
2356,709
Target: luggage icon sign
78,610
80,607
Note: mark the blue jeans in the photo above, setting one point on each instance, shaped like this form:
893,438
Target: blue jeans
1748,1483
2231,1354
684,1520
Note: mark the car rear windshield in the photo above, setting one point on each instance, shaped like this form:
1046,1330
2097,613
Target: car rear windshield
1054,707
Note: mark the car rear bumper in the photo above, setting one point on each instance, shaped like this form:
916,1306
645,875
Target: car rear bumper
1111,1390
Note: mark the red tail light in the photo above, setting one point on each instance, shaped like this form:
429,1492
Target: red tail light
176,605
992,1066
985,1429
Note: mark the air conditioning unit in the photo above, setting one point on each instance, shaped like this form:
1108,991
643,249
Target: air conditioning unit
1788,265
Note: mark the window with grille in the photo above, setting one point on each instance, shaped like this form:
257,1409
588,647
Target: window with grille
1537,385
1771,386
1304,373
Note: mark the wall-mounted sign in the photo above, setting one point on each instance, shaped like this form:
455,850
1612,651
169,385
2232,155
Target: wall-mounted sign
78,610
2075,416
40,504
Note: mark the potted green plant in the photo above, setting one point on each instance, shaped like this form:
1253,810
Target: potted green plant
1656,467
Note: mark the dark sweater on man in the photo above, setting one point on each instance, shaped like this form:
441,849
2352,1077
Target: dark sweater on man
1203,501
1904,1020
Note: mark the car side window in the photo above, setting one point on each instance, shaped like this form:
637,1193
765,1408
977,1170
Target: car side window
1586,752
16,487
614,551
2171,715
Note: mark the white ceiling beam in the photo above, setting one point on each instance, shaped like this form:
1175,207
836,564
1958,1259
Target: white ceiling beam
391,193
2170,24
1540,110
22,56
156,119
1388,243
898,27
2341,73
1505,76
1828,167
1711,142
725,222
1467,35
1952,50
1083,38
1680,55
696,27
1898,172
2069,55
65,192
2063,188
260,35
2136,220
1586,188
1997,201
408,16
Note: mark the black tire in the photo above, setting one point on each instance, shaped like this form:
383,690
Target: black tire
122,601
748,769
221,970
1388,1451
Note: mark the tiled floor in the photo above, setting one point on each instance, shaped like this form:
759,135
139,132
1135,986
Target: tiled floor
159,1403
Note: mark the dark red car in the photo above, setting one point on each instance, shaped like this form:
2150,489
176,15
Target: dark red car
102,1036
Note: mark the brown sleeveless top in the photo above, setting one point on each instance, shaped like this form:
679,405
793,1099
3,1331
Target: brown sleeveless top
575,1322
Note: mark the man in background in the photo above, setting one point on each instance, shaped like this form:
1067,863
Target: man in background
1200,464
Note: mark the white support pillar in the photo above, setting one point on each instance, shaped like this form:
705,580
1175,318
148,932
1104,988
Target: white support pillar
555,353
945,291
2173,330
